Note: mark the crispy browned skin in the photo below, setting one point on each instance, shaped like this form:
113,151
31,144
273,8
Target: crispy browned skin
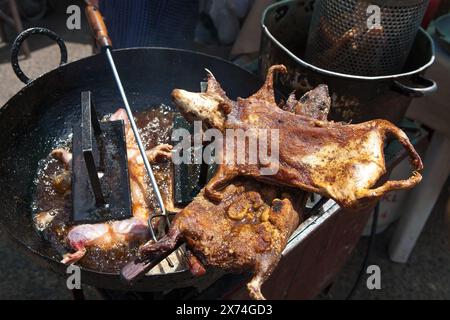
337,160
247,230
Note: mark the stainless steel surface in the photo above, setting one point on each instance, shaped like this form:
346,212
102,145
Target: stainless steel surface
345,35
307,227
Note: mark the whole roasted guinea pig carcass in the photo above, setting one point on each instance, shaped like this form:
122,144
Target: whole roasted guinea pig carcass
337,160
249,228
246,231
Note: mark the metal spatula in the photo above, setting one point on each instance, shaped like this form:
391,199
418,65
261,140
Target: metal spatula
100,181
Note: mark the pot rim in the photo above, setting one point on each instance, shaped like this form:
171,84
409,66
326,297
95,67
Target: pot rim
338,74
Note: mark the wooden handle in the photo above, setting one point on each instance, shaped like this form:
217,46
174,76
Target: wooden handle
98,26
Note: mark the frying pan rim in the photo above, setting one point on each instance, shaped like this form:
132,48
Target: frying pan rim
61,67
24,246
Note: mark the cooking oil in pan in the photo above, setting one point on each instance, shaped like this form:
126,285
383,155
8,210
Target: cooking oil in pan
52,208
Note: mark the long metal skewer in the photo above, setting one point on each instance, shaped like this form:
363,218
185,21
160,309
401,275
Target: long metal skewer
137,136
101,35
136,132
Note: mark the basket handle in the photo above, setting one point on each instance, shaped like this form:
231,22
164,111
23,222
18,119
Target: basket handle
21,38
425,86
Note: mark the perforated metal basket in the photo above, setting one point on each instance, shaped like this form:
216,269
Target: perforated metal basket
345,35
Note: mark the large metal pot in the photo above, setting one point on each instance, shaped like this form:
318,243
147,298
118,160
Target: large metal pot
354,98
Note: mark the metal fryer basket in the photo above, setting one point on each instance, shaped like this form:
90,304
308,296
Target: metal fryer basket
344,36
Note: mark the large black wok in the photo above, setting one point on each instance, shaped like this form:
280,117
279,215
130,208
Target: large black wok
34,119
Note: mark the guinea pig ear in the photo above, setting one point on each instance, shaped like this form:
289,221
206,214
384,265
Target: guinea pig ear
214,87
266,92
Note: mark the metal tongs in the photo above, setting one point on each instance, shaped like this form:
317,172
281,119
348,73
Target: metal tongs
99,29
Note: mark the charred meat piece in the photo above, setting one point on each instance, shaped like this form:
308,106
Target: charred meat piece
247,230
340,161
